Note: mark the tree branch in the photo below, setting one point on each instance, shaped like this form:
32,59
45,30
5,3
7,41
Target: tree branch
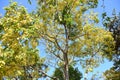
55,41
58,45
97,51
58,56
66,35
54,78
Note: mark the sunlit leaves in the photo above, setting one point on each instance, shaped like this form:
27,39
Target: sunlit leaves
19,38
112,74
2,64
85,39
22,24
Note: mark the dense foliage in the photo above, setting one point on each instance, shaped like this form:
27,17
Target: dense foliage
71,33
74,73
18,53
69,30
112,24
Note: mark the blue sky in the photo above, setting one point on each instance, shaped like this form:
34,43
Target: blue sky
109,6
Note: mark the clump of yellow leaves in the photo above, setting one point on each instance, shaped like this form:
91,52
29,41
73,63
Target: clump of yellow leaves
18,38
112,74
2,63
92,46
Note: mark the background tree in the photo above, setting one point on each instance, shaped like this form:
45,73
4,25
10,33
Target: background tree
112,74
74,73
112,24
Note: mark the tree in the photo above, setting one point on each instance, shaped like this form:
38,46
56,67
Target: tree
68,28
112,24
112,74
19,56
70,32
74,74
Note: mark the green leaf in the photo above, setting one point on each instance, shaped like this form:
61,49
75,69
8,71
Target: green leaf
103,15
29,1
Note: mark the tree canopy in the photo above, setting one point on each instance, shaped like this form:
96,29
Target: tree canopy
74,73
70,31
112,24
18,52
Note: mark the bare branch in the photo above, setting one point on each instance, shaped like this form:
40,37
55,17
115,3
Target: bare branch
55,41
97,51
54,78
58,56
58,45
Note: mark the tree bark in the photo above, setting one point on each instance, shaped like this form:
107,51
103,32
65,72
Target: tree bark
65,55
66,67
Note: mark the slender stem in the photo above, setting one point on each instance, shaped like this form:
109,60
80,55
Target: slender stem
54,78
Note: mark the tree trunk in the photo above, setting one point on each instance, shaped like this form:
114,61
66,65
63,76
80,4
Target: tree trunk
65,55
66,67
